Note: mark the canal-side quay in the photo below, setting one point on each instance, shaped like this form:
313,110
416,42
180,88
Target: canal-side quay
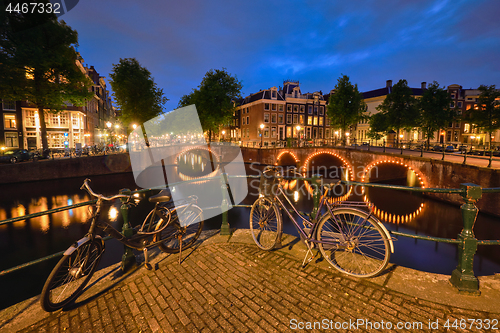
227,284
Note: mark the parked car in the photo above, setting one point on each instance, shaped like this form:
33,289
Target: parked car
449,149
15,155
462,148
437,148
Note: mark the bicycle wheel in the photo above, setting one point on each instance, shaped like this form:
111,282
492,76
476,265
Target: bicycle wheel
174,233
70,275
265,223
352,244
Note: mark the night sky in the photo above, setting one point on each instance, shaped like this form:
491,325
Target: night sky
314,42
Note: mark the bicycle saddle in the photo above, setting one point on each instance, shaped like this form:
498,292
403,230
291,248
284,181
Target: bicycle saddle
163,196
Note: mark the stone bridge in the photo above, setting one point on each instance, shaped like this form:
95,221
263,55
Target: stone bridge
431,173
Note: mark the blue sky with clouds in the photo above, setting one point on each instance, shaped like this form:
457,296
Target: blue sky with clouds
266,42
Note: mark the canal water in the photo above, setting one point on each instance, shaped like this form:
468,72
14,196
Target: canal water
31,239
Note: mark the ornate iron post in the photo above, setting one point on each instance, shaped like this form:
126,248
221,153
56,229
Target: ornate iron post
316,186
463,276
128,258
224,228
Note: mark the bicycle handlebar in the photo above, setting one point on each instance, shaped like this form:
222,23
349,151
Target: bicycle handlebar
86,187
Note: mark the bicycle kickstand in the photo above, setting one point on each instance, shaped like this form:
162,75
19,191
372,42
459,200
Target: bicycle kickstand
309,251
146,260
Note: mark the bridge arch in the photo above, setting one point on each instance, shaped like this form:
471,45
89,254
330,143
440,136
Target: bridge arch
285,154
185,177
346,164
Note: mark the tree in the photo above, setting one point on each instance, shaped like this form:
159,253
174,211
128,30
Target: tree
38,63
346,106
378,126
214,99
399,108
487,113
135,92
435,111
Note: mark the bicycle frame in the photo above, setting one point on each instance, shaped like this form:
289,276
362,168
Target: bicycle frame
138,240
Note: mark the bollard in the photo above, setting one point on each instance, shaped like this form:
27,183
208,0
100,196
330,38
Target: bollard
316,186
463,276
491,158
224,228
128,258
442,159
465,156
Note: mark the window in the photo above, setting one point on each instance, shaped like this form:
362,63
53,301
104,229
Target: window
457,124
308,132
273,107
9,105
327,133
295,121
273,132
280,107
273,94
280,119
295,108
266,132
301,119
302,109
321,133
321,110
450,124
327,121
9,121
448,136
452,96
309,120
266,117
452,105
310,109
315,121
289,108
455,136
11,140
320,121
288,118
266,106
459,104
288,132
248,120
466,128
244,123
273,118
30,118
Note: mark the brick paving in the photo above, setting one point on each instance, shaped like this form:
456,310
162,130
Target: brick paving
236,287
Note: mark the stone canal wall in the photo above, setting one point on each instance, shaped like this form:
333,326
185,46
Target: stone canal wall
64,168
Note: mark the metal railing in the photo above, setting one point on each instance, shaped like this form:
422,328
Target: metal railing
462,277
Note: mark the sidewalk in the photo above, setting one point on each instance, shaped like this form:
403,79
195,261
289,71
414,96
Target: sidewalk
227,284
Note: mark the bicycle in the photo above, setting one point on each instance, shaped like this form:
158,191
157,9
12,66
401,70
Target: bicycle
171,228
352,240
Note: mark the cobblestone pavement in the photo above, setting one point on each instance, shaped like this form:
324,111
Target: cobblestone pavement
235,287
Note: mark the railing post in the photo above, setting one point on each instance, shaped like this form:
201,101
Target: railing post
491,158
316,187
442,159
224,228
422,151
128,258
465,156
463,276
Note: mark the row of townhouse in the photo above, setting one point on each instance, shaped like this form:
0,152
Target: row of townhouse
272,116
85,125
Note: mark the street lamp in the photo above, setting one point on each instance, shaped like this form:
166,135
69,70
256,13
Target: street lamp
134,126
261,129
347,135
223,133
336,136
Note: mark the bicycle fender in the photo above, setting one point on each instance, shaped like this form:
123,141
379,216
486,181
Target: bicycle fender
386,232
79,243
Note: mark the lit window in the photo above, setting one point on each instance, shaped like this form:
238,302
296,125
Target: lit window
280,119
320,121
466,128
315,121
273,118
266,117
295,121
11,140
288,118
9,121
280,107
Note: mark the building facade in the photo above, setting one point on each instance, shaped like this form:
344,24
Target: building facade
86,125
274,116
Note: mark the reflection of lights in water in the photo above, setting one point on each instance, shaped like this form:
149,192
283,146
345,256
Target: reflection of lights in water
70,202
3,214
296,196
113,214
411,178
